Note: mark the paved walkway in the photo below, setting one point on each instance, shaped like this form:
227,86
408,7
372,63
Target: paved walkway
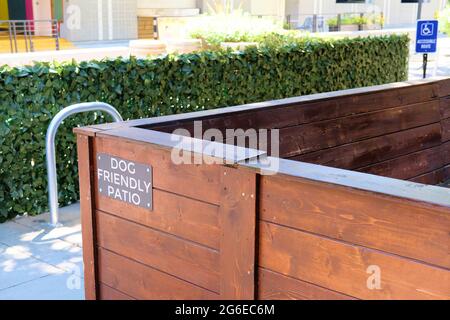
438,65
40,262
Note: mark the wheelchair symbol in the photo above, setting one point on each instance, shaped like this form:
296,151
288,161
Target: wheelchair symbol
426,29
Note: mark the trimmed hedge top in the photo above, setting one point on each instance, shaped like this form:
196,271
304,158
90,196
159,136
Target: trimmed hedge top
31,96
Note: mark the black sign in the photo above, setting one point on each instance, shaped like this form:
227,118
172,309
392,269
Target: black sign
125,180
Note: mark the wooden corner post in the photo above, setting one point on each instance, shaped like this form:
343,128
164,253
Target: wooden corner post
238,226
85,171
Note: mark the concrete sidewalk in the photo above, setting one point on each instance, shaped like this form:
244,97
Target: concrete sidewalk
438,64
40,262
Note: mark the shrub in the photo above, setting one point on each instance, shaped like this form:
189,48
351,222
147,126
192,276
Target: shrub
232,27
31,96
348,20
369,19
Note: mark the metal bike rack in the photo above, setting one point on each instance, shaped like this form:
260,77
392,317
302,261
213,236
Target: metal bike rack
50,147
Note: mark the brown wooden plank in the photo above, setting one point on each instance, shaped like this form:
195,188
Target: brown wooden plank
254,139
433,178
108,293
445,130
408,166
370,151
183,259
446,173
346,268
143,282
181,126
383,97
446,153
87,131
393,225
84,149
190,147
326,134
289,112
233,134
196,181
445,107
444,87
345,106
187,218
238,225
275,286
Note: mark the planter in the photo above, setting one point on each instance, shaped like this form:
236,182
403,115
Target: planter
239,46
260,224
349,27
333,28
371,27
144,48
184,46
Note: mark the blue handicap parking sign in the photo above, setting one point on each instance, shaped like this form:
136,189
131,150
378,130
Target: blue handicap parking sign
426,36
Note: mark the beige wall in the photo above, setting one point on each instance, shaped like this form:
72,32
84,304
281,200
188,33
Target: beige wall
244,4
274,8
167,4
151,8
400,13
268,7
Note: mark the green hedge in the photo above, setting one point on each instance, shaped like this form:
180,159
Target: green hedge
31,96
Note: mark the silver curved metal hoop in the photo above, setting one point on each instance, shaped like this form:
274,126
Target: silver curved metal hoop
50,148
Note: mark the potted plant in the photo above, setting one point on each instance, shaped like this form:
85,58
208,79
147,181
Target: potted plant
333,24
346,23
373,22
352,23
229,28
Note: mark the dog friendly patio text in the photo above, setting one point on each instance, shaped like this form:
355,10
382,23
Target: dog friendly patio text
125,180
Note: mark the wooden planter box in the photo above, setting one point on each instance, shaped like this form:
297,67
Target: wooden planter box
349,27
304,231
333,28
374,26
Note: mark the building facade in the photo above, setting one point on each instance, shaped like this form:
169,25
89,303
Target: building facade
99,20
397,13
31,9
93,20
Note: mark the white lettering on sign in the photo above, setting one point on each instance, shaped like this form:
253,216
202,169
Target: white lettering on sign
125,180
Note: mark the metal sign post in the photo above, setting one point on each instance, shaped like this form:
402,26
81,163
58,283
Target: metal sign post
426,40
424,64
50,148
